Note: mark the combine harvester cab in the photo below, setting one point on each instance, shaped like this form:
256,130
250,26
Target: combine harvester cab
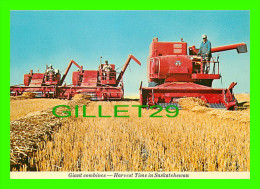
173,74
97,84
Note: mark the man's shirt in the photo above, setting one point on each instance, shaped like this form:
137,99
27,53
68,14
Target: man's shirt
107,68
205,48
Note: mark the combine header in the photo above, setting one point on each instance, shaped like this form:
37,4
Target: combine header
98,84
173,74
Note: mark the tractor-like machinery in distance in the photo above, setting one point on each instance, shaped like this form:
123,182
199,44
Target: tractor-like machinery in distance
98,84
174,73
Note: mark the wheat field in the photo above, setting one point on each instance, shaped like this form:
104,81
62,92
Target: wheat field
20,108
195,140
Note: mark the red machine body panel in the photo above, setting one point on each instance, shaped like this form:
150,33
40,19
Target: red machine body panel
27,79
90,78
169,66
76,78
167,48
37,80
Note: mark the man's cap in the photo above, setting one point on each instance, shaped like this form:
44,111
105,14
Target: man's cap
106,61
204,36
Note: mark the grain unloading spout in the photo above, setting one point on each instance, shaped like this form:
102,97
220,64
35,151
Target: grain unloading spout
67,70
120,76
240,47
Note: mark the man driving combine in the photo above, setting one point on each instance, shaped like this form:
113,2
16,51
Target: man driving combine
106,68
49,69
205,53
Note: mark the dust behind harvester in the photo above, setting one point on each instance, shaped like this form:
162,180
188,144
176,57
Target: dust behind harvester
174,74
99,84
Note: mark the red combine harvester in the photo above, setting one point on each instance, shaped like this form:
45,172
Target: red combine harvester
173,74
99,84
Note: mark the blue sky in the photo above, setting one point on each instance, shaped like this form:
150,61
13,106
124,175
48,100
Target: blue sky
55,37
